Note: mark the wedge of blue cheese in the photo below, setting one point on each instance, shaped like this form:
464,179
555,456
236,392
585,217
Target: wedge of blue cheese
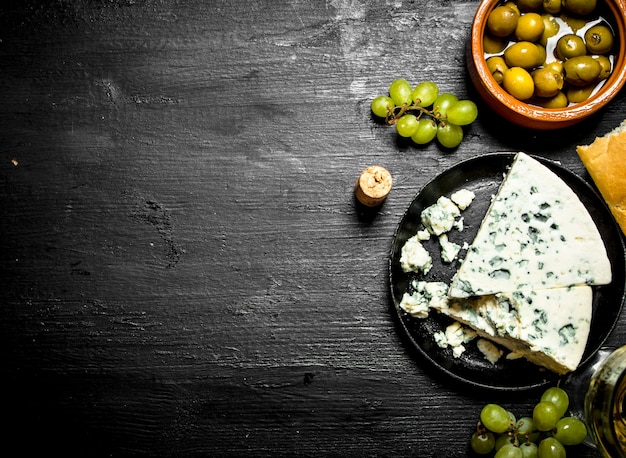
537,234
548,327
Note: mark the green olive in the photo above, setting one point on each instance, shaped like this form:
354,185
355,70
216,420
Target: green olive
548,83
523,54
542,55
530,27
502,21
577,94
518,83
494,45
599,39
570,45
497,66
605,63
552,6
529,5
511,4
581,70
556,66
550,28
579,7
558,101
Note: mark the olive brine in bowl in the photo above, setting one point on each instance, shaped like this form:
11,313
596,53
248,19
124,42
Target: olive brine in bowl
547,64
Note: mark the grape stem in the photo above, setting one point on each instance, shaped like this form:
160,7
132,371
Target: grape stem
395,113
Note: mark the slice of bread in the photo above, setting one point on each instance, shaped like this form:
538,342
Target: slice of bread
605,160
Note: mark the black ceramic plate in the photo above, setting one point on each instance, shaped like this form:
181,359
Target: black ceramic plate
483,175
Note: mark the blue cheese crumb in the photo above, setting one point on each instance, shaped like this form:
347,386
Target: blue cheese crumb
416,305
440,339
449,250
423,235
489,350
458,225
441,216
414,257
515,355
462,198
455,336
425,295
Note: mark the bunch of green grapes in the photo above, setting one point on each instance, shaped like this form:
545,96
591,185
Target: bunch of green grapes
544,434
422,113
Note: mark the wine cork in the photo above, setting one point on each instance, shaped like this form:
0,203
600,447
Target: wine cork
373,186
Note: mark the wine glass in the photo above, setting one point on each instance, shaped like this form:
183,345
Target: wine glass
598,396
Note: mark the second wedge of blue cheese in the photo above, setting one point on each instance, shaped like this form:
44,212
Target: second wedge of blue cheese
537,234
548,327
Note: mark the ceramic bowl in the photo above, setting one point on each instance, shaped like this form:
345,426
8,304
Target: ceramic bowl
527,114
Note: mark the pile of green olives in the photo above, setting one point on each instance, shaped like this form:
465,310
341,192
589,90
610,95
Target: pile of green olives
550,53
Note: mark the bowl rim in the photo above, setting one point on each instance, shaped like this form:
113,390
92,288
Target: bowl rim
607,92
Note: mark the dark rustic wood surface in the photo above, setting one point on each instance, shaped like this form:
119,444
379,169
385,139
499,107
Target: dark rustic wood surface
184,269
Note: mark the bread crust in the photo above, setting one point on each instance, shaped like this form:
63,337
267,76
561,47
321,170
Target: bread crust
605,160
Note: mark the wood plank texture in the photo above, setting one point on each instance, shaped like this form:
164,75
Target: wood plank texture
184,269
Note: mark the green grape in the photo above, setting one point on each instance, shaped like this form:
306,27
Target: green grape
558,397
462,113
529,450
495,418
502,440
426,131
570,431
525,429
425,93
550,448
450,136
512,418
407,125
525,425
482,443
509,451
443,102
535,436
545,416
382,105
400,92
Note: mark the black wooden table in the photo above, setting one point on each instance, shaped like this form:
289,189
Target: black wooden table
184,269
